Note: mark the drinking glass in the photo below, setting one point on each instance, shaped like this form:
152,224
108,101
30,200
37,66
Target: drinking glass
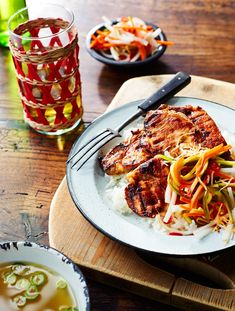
44,47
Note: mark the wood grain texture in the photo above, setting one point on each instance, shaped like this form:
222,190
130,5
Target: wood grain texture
112,263
190,296
32,165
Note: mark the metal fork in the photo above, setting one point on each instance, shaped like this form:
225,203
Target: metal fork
177,83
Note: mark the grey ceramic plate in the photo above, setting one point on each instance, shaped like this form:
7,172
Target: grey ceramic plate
87,188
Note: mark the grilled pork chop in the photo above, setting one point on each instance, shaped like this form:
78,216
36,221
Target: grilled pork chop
147,183
163,130
167,128
210,134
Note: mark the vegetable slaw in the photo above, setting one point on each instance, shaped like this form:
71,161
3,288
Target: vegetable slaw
200,193
130,39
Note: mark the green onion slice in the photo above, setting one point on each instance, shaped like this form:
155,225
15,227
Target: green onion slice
10,278
22,284
61,284
32,292
38,279
20,269
19,300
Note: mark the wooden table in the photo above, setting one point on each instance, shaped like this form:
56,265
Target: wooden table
33,165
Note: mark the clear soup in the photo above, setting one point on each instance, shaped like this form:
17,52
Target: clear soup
32,287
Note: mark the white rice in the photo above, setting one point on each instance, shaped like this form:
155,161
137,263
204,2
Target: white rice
114,193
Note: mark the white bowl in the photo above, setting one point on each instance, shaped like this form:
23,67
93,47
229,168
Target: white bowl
44,255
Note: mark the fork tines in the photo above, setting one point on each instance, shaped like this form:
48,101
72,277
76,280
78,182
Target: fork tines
92,146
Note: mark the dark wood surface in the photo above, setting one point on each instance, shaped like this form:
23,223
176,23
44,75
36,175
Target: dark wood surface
33,165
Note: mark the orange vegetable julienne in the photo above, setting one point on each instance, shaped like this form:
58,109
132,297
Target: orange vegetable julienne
165,42
141,49
185,200
208,154
196,196
194,214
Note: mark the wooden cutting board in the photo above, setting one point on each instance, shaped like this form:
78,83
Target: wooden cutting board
145,274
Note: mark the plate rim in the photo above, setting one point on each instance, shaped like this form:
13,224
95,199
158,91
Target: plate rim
97,227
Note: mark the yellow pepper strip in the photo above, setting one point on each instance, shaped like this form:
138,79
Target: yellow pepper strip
175,170
210,154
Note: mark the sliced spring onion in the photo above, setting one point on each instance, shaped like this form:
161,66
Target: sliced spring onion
20,300
38,279
32,292
61,284
10,278
20,269
22,284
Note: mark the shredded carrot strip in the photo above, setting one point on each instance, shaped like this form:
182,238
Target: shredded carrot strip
194,214
165,42
195,198
141,50
208,154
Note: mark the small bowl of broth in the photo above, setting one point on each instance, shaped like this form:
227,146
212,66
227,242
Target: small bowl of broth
35,277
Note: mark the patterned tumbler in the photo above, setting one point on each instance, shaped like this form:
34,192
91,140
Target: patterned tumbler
44,47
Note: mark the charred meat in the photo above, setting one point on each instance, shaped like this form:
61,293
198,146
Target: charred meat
147,183
163,130
168,128
127,155
210,134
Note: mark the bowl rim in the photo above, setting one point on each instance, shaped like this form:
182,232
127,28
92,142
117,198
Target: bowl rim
108,61
6,246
